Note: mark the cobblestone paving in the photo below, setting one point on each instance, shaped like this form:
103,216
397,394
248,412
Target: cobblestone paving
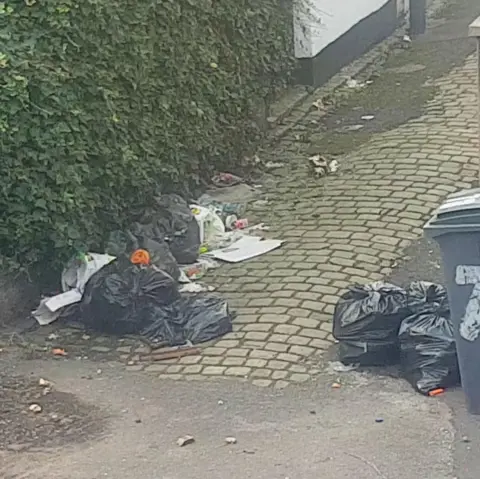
351,227
346,228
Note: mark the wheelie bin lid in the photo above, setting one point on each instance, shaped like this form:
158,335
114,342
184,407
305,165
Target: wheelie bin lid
459,213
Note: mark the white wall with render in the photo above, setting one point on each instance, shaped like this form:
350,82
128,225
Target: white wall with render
320,22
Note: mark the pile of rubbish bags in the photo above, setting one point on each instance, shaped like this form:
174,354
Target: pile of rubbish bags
142,283
141,299
382,324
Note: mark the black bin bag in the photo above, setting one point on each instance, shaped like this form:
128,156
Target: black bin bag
366,323
123,244
143,300
428,351
118,298
194,317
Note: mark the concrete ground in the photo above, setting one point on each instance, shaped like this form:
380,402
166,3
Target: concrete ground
304,432
362,224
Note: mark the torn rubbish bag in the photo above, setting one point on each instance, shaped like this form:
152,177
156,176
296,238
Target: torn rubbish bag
76,274
194,318
124,244
182,233
366,323
428,351
118,298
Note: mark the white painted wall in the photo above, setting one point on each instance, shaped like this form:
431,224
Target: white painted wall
320,22
403,7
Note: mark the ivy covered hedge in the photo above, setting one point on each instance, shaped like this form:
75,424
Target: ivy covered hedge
104,101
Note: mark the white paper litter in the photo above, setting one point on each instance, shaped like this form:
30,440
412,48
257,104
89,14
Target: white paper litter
74,279
246,248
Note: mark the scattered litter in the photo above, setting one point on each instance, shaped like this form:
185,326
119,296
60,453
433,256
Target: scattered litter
352,83
338,367
322,167
222,180
436,392
59,352
245,248
211,226
231,440
35,408
353,127
198,269
240,224
318,104
257,227
368,82
220,402
465,439
44,383
379,420
223,208
53,337
336,386
366,322
428,350
407,39
85,337
334,166
272,164
195,288
185,441
368,117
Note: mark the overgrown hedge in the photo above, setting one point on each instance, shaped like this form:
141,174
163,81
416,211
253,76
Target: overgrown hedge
104,101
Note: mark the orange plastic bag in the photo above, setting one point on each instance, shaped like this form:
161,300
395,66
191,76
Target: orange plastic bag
140,256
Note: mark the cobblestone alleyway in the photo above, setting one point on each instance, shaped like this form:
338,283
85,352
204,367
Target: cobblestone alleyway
352,226
342,229
346,228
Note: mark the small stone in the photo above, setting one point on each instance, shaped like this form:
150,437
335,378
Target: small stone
44,383
231,440
185,441
35,408
336,386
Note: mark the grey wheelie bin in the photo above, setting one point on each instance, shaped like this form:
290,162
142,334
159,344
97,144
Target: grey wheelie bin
455,226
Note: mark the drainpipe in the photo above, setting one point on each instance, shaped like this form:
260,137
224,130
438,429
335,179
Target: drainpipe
474,31
418,17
